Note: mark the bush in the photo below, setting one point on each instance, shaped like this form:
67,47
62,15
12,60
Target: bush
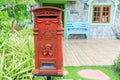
16,54
5,26
117,64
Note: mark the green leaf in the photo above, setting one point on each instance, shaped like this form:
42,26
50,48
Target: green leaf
7,77
32,2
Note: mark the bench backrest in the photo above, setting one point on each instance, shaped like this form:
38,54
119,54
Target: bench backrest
76,25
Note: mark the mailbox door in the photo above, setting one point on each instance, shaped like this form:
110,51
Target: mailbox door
47,46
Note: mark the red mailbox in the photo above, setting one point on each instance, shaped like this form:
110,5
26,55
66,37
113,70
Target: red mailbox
48,30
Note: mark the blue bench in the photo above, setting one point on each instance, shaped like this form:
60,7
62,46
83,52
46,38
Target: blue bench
77,28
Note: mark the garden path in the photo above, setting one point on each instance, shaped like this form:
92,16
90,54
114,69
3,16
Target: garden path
93,74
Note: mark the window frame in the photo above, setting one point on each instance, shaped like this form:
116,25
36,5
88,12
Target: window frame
101,4
100,17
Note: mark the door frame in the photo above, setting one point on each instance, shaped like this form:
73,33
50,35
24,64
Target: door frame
65,10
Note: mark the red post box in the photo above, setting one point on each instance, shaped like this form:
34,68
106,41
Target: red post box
48,30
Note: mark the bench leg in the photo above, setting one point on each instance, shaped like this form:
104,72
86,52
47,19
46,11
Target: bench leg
67,36
87,36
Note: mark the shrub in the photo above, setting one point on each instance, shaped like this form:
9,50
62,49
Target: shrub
5,26
117,64
16,54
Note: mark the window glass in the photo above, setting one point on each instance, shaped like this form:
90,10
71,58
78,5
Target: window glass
101,14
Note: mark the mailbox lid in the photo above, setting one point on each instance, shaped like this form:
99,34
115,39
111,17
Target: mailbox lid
45,7
47,13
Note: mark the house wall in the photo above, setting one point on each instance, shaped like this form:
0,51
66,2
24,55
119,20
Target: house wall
117,19
76,12
103,1
116,27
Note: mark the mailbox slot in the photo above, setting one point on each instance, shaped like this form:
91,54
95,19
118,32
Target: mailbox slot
46,17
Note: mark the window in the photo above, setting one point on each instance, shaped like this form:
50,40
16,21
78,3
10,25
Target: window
101,14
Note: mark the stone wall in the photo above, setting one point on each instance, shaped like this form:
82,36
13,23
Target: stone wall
103,1
117,18
103,32
77,13
116,26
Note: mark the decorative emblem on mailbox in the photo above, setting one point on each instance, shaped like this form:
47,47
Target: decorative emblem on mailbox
48,30
47,50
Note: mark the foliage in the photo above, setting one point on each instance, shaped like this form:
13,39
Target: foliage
4,15
15,2
117,64
5,26
16,53
13,12
4,23
15,8
18,13
3,38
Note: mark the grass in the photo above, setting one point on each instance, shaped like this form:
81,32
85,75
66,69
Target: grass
109,71
17,59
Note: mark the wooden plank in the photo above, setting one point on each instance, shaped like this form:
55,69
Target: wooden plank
90,52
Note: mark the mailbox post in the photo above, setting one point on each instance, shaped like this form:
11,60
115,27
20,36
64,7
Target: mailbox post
48,30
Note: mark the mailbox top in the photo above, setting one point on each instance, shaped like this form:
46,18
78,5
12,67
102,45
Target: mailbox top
46,7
